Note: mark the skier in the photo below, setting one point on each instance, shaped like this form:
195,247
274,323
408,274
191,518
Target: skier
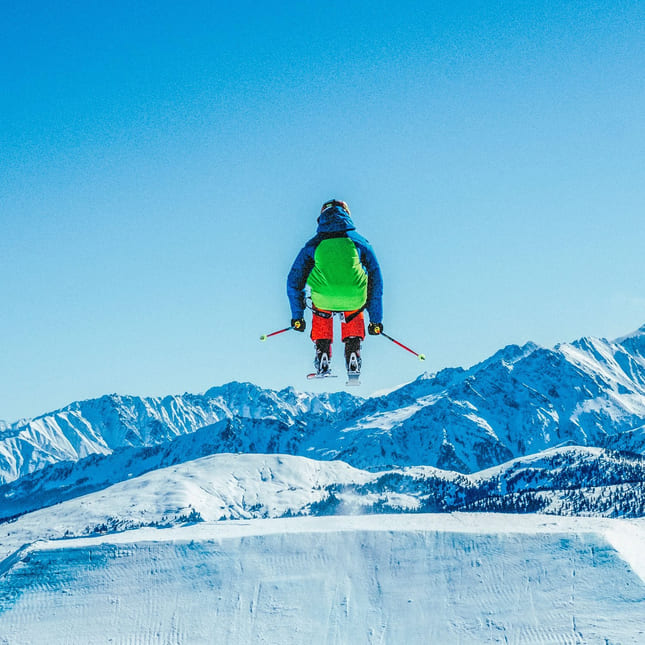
343,274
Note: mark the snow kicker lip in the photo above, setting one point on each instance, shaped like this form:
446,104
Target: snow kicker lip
18,556
365,573
626,536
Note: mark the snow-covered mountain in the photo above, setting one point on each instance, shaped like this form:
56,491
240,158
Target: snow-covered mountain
510,410
520,401
119,507
135,488
563,481
100,426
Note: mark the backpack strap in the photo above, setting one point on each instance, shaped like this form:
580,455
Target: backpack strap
330,314
321,314
353,315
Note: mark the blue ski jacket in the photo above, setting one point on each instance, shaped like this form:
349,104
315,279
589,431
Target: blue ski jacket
340,267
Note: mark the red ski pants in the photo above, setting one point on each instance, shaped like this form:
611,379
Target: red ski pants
322,327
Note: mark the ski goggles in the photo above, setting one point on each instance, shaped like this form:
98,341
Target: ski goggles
334,202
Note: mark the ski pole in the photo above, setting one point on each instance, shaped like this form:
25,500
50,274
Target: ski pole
421,357
274,333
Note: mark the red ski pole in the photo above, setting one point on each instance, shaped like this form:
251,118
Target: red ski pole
421,357
275,333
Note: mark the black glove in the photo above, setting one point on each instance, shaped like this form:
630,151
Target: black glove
374,329
298,324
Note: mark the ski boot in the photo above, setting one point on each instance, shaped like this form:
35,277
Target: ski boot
353,360
322,360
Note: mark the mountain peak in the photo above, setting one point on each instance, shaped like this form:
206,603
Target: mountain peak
508,355
635,334
634,343
227,389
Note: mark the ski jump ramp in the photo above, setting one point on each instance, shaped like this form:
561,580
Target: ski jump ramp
458,578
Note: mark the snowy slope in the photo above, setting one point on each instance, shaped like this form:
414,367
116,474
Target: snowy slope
211,488
65,480
566,481
387,579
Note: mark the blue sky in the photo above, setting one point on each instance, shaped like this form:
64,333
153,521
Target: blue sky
161,166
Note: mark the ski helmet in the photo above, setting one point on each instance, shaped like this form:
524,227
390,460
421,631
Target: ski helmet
335,202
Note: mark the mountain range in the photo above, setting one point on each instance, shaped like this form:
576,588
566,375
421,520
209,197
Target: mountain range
558,430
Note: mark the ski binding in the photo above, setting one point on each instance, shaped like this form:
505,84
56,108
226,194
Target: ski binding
353,379
353,369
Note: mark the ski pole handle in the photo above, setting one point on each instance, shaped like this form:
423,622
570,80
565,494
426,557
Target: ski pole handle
421,357
274,333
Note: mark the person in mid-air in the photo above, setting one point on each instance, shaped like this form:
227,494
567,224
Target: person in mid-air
341,270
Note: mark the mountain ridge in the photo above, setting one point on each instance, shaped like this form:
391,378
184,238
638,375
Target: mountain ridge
521,400
529,429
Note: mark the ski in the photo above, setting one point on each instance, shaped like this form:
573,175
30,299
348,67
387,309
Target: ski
324,375
353,379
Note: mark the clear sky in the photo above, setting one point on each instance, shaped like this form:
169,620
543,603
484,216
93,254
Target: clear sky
161,165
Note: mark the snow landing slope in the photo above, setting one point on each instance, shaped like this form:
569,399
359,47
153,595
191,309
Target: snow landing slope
337,580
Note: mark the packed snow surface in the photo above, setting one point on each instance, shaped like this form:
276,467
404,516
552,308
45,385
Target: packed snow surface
451,578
